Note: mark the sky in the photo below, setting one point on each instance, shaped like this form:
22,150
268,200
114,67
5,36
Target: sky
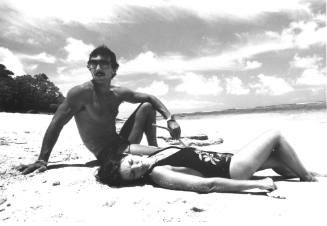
193,55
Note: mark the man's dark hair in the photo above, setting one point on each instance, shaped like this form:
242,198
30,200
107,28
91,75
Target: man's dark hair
103,50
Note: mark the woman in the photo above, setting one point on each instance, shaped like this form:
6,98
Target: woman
200,171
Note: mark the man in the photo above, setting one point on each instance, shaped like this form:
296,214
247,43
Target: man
94,105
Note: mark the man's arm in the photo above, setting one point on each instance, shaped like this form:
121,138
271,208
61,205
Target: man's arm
61,117
137,97
168,178
63,114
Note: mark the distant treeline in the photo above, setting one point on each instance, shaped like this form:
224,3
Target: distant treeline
27,93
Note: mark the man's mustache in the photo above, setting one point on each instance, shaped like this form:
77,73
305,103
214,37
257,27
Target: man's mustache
99,73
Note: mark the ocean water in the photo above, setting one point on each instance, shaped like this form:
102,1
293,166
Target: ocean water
247,118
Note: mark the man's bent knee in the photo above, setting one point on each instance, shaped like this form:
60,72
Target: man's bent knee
147,108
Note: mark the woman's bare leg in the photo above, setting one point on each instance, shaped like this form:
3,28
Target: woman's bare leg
250,158
279,167
257,154
286,154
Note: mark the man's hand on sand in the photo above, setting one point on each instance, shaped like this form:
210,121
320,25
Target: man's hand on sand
39,166
174,129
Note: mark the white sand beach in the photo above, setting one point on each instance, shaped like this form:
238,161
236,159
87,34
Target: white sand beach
68,192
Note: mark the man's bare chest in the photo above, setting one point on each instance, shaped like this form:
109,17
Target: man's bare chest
103,106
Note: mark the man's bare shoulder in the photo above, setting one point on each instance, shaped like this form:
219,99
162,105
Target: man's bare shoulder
80,91
120,90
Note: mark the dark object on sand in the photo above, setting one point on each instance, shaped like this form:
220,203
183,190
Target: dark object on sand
2,200
194,137
56,183
187,141
194,140
197,137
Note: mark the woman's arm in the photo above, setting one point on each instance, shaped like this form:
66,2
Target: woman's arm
172,178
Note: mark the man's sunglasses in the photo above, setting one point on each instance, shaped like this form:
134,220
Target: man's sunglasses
104,64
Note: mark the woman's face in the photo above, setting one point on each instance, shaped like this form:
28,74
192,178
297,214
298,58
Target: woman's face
133,167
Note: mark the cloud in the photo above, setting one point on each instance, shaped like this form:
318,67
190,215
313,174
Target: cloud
32,41
146,62
234,86
66,11
121,10
71,74
298,35
149,62
314,73
305,34
31,67
312,77
11,61
77,50
156,88
306,62
249,65
270,85
42,57
302,35
320,18
211,9
68,78
194,84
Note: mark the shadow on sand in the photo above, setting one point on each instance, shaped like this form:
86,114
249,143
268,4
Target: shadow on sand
90,164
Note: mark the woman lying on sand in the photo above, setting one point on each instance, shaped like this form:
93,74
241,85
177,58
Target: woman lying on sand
202,171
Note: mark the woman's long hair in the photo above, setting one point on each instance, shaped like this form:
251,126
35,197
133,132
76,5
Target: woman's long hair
109,173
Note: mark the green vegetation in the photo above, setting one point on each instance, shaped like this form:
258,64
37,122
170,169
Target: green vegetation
28,93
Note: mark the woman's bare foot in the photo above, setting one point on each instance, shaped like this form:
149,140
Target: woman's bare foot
315,174
312,177
309,178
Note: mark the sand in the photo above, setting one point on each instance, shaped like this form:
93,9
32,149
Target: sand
68,193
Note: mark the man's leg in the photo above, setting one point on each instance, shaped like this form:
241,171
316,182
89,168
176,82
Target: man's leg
141,121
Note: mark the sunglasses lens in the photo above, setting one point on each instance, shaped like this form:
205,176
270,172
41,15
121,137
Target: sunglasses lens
101,63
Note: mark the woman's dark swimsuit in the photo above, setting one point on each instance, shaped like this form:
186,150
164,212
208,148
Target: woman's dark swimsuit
209,164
